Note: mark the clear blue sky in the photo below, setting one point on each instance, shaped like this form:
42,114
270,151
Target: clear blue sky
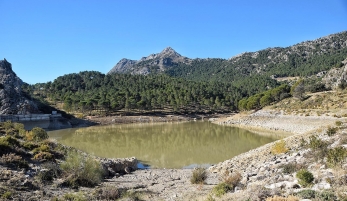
44,39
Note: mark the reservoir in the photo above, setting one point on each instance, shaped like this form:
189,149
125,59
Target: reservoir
164,145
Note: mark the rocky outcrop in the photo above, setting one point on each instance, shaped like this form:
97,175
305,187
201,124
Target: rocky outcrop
12,100
154,63
336,76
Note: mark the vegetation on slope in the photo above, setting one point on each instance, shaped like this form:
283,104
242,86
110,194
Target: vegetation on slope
90,90
33,167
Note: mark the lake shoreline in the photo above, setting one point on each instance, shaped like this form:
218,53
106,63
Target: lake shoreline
145,118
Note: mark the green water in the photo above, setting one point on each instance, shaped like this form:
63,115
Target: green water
167,145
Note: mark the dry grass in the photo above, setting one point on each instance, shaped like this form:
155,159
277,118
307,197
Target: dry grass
279,147
279,198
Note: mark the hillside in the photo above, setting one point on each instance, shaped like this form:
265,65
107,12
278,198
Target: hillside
302,59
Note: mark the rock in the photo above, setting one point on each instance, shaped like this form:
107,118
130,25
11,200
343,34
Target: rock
127,170
123,165
12,101
321,186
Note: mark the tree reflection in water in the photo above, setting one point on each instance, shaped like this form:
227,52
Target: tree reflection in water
165,145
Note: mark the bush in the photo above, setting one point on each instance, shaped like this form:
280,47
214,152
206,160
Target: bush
6,195
338,123
221,189
9,141
307,194
326,195
44,176
44,156
20,128
316,143
305,177
52,171
199,176
29,145
336,156
82,171
291,168
38,134
7,126
14,160
42,148
231,179
331,131
279,147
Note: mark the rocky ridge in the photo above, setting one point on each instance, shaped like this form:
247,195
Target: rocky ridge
298,57
12,100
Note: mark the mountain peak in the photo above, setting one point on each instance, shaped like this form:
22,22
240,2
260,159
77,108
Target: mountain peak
169,52
168,49
161,61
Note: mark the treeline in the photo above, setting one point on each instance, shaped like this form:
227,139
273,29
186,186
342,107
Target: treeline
263,99
91,90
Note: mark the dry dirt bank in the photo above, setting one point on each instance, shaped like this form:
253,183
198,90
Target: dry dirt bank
150,118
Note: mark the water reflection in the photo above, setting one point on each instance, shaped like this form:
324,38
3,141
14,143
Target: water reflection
168,145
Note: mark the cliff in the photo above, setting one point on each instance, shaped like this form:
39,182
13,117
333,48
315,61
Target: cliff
12,100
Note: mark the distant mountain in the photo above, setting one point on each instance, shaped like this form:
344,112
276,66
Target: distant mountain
154,63
12,99
303,59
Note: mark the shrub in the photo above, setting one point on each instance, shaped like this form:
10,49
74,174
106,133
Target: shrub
7,126
305,177
279,147
231,179
199,176
316,143
6,195
9,141
331,131
336,156
326,195
14,160
307,194
44,176
291,168
42,148
38,134
20,128
338,123
82,171
221,189
51,171
44,156
29,145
